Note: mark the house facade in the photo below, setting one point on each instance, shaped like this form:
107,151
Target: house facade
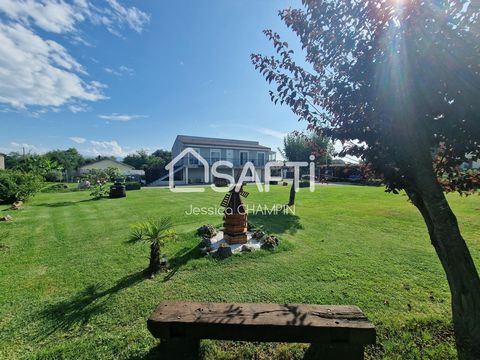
189,170
124,169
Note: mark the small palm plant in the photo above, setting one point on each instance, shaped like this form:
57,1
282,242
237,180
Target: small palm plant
155,232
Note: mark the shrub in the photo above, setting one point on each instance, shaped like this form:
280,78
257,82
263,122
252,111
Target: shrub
54,176
132,185
220,182
17,185
304,184
99,190
53,188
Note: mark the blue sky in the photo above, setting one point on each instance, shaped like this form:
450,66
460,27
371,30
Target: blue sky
111,77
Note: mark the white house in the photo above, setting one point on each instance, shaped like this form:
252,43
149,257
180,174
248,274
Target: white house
124,169
191,170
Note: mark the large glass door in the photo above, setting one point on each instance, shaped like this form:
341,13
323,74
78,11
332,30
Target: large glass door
243,157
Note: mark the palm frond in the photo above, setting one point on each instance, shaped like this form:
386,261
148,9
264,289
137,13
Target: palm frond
153,231
137,233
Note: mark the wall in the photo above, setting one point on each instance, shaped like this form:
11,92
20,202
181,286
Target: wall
2,162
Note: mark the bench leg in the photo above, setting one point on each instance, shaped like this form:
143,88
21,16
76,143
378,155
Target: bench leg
179,348
334,352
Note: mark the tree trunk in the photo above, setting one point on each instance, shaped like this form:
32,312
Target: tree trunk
464,282
154,258
291,200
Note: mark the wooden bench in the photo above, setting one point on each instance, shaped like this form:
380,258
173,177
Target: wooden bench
335,332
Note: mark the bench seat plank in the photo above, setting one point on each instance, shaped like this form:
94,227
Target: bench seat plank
329,324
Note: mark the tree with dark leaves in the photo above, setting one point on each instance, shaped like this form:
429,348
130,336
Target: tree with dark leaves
398,83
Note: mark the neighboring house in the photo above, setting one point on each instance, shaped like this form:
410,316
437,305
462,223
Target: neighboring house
189,170
2,161
107,163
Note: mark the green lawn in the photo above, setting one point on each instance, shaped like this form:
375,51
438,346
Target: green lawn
71,286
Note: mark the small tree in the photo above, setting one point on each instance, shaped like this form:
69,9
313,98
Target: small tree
155,232
398,83
99,179
299,147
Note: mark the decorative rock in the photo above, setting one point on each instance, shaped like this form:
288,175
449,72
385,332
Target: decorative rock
205,250
269,243
206,242
224,252
6,218
207,231
164,263
17,205
258,234
246,248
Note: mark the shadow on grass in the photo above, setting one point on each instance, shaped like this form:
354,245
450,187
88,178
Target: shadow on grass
80,308
64,203
180,258
277,223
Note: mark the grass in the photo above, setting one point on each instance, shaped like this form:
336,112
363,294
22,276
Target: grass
72,287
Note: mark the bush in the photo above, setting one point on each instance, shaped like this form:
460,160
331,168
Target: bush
132,185
54,188
220,182
304,184
99,190
54,176
17,185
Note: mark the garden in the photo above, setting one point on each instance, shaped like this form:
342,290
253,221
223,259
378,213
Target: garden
74,285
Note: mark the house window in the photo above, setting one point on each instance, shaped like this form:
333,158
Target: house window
215,155
230,155
260,159
192,160
243,157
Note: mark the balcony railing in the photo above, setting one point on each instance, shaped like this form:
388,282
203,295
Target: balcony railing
237,162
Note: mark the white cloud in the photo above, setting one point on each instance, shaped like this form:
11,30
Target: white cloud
38,71
34,71
121,117
126,70
50,15
111,71
106,148
78,140
59,17
122,70
133,17
29,148
76,108
273,133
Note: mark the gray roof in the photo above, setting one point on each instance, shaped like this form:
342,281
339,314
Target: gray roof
99,161
198,140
